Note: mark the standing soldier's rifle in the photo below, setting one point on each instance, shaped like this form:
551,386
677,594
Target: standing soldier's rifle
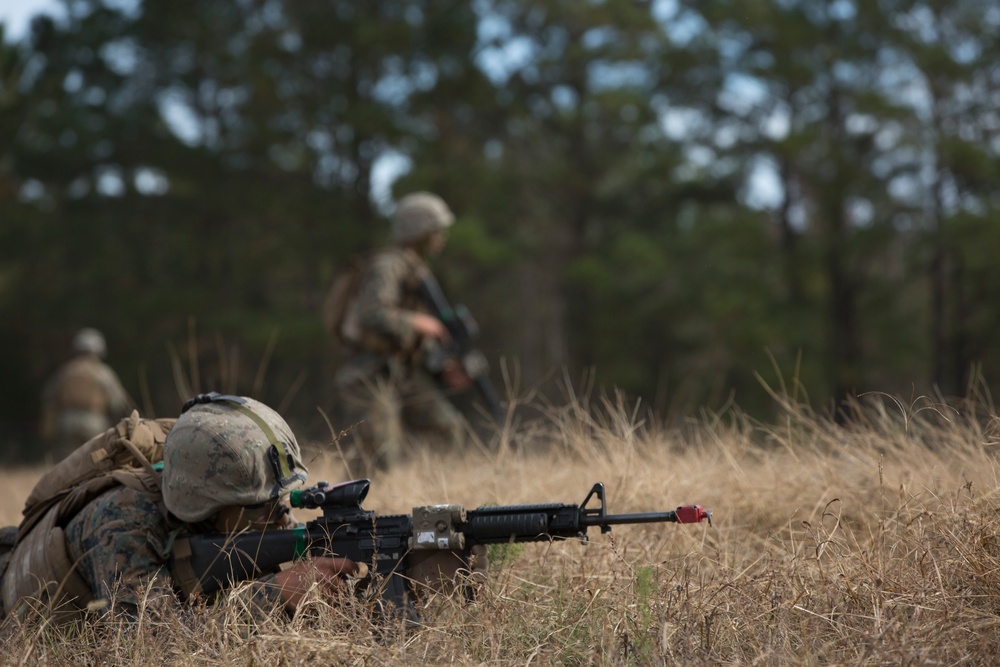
464,330
389,544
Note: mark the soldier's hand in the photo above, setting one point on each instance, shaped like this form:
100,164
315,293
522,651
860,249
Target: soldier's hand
430,327
454,376
326,572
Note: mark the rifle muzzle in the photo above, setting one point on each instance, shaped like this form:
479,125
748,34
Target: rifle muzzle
693,514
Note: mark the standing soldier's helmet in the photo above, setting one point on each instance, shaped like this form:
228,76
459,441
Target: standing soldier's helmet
227,451
90,341
418,215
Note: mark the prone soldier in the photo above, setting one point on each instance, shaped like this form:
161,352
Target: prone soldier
229,464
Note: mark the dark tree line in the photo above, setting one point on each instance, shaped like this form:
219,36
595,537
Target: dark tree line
677,197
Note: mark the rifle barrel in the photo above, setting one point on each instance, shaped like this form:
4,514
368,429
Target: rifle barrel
644,517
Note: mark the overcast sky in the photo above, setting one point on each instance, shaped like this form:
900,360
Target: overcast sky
16,14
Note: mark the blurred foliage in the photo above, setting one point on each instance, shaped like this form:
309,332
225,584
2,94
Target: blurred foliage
678,196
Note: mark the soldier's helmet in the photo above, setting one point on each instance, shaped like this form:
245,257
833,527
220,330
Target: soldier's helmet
226,451
418,215
89,340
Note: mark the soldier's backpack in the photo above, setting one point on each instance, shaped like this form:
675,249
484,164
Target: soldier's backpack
38,568
340,312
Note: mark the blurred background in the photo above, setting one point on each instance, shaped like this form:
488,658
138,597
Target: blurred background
687,201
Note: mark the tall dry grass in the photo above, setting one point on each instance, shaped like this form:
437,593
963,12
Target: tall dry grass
873,542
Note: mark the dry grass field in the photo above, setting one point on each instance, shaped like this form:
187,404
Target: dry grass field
873,542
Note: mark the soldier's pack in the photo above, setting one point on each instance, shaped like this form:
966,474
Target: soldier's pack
36,553
339,308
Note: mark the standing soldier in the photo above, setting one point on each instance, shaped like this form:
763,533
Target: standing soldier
383,386
83,399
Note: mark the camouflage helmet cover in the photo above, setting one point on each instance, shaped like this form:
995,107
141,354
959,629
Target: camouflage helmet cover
91,341
226,451
418,215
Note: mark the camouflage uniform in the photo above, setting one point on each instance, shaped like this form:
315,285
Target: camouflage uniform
121,544
382,383
82,400
229,464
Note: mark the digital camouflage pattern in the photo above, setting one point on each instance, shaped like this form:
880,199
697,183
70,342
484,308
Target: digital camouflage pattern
386,300
224,454
119,529
121,543
382,385
83,399
39,568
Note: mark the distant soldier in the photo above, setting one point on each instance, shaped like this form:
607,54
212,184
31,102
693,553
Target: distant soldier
388,333
83,399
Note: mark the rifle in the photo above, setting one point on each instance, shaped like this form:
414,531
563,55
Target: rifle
387,543
464,330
